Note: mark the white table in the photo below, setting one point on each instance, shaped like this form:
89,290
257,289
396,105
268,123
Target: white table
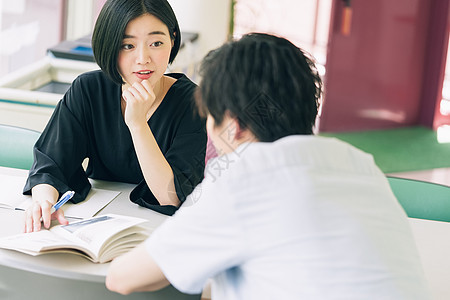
433,242
65,276
72,277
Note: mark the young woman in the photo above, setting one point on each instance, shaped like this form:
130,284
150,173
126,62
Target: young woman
132,121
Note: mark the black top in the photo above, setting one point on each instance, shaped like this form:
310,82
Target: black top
88,123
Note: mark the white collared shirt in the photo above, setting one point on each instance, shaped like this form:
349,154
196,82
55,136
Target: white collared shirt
304,217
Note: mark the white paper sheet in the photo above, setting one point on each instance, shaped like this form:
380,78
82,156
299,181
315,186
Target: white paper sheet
11,197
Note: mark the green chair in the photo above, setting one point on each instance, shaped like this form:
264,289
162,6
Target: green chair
422,200
16,146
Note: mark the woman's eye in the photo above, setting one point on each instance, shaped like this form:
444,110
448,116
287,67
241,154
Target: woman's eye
127,46
156,44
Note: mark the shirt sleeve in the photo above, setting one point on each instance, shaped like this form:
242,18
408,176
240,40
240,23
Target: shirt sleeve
198,242
188,168
60,150
186,156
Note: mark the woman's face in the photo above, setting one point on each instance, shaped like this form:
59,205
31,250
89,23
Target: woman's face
145,50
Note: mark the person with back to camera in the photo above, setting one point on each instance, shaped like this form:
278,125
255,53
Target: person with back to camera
290,215
133,121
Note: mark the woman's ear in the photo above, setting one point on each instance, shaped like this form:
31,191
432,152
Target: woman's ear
173,40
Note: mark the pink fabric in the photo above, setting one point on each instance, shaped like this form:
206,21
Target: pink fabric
210,150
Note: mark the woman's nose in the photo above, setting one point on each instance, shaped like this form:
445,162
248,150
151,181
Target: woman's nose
143,55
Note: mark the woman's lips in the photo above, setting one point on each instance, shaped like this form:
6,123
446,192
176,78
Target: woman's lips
143,74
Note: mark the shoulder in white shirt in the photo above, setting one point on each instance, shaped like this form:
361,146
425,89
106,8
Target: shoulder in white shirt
304,217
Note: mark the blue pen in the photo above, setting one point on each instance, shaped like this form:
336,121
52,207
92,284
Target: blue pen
64,198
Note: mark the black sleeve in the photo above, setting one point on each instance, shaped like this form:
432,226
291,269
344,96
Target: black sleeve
61,148
187,155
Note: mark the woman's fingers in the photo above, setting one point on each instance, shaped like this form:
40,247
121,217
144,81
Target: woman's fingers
59,215
148,88
36,214
139,99
45,209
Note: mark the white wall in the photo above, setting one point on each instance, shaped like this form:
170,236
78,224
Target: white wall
209,18
26,31
80,19
304,23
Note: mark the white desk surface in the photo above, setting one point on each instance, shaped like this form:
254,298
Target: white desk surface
68,276
432,239
66,265
433,242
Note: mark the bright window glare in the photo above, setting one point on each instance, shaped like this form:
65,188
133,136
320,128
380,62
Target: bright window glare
443,134
445,107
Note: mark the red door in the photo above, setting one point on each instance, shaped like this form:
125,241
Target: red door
387,70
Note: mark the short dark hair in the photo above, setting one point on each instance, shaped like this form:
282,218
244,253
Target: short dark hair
111,24
264,81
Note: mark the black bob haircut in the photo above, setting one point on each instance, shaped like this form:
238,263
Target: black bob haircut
111,24
269,85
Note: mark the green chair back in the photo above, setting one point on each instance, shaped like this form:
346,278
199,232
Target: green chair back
422,200
16,146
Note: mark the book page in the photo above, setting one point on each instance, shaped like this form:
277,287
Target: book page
34,243
97,231
127,242
85,237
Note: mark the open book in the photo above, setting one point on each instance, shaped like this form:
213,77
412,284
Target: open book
99,239
11,197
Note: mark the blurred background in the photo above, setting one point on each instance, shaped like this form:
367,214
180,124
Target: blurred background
384,63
